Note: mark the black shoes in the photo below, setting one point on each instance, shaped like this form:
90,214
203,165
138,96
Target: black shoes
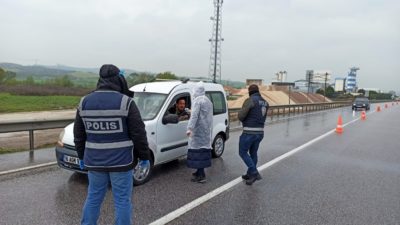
246,177
199,179
250,179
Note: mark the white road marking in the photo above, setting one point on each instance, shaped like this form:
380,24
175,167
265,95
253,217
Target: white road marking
27,168
191,205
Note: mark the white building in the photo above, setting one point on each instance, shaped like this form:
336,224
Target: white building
321,76
340,84
302,86
280,76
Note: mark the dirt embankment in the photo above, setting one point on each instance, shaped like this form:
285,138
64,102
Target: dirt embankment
278,96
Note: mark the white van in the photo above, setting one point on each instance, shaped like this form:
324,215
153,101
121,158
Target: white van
165,134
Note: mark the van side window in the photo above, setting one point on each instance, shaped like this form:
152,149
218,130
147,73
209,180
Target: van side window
218,100
180,105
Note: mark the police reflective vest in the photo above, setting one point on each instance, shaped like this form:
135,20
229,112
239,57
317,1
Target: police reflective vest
255,119
104,114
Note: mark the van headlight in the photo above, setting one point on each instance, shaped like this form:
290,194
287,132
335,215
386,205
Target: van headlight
363,104
60,138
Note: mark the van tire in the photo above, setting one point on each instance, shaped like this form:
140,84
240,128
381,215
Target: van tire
137,182
218,146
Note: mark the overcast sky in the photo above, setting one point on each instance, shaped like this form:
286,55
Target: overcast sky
262,37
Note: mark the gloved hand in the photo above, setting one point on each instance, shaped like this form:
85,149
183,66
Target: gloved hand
144,165
81,164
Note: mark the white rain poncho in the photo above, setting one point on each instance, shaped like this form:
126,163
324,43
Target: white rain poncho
201,119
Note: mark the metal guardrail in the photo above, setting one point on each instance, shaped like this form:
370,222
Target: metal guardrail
277,111
32,125
273,111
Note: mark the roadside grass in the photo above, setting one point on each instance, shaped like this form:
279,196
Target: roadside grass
18,103
14,150
11,150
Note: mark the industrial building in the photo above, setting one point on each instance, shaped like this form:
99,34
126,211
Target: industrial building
351,80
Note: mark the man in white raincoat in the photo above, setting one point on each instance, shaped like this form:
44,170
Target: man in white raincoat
199,131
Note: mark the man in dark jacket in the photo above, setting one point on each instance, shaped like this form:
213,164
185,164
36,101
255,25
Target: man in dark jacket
180,109
252,115
108,134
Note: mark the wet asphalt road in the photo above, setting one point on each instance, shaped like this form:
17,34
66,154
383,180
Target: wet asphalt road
352,178
348,179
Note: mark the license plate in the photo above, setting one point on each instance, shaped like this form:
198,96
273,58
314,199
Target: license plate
70,159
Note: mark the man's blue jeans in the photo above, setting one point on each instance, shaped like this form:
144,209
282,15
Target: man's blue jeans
248,143
121,184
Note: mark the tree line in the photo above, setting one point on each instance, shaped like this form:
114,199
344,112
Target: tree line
10,78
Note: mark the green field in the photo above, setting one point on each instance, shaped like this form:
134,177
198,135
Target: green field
18,103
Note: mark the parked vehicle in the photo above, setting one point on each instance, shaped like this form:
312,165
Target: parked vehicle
165,133
361,103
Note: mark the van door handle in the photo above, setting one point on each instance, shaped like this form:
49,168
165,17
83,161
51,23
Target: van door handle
226,122
153,133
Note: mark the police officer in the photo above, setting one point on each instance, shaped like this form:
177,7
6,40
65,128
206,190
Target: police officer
252,115
108,134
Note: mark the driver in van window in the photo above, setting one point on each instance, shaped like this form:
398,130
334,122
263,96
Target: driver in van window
180,109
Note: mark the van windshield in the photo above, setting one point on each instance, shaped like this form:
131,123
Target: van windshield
149,104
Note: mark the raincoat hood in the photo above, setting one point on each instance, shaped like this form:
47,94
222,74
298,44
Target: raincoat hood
110,79
199,90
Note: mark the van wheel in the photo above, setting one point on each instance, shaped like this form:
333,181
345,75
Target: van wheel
218,146
140,177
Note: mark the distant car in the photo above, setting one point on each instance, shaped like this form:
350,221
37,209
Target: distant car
361,103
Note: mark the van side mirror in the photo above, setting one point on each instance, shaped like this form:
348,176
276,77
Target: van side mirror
170,118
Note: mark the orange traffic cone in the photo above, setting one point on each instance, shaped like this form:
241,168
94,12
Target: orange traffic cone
339,127
363,115
378,108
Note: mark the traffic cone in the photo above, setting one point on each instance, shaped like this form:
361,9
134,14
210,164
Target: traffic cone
378,108
339,127
363,115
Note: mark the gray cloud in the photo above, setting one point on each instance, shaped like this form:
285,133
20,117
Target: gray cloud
261,37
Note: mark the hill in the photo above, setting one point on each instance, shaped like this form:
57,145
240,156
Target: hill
80,76
35,70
